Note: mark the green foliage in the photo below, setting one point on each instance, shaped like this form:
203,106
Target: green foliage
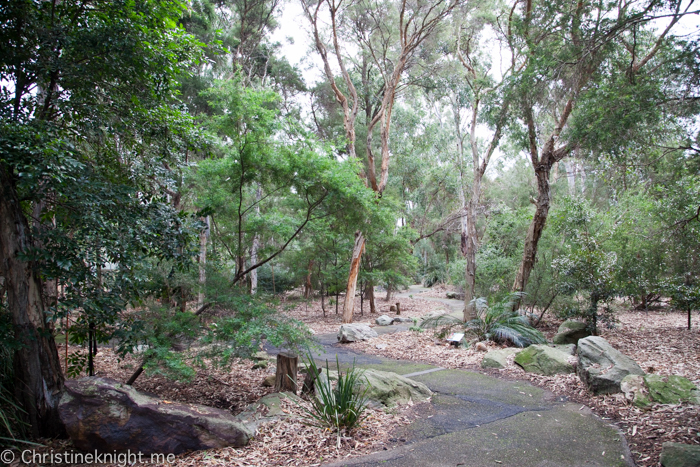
173,343
498,323
586,267
338,407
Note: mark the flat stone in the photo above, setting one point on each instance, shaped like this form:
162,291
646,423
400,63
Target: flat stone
105,415
355,332
570,332
544,360
498,358
602,367
680,455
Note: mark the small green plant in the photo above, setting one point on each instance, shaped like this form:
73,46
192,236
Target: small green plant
415,327
498,323
340,407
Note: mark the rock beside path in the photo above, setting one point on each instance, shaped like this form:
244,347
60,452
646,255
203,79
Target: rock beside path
105,415
602,367
388,389
384,320
497,358
355,332
680,455
570,332
643,390
544,360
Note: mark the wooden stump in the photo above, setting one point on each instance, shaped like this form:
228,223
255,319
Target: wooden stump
286,374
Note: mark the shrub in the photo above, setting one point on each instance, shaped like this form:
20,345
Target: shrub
498,323
338,407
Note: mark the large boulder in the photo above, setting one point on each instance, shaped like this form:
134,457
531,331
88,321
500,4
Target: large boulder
602,367
384,320
643,390
355,332
388,389
544,360
671,389
498,358
104,415
570,332
680,455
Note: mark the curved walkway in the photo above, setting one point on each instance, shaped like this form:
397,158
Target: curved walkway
477,420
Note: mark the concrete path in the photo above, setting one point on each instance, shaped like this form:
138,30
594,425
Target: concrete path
476,420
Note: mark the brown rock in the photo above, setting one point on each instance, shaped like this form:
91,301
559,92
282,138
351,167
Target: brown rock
269,381
104,415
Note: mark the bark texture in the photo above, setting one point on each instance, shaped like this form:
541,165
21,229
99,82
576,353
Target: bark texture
349,305
286,373
38,376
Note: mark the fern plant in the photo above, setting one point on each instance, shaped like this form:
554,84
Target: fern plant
498,323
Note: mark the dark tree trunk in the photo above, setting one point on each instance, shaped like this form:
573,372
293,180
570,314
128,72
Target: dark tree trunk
38,376
369,291
536,227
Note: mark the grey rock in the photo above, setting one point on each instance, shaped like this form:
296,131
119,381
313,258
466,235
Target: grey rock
355,332
384,320
601,367
544,360
105,415
680,455
388,389
566,348
498,358
455,295
403,320
570,332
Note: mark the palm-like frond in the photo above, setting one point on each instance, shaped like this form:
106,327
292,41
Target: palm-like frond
501,324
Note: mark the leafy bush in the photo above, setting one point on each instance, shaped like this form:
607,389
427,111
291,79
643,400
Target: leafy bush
498,323
336,407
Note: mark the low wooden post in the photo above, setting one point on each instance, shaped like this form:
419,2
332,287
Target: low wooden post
286,374
398,308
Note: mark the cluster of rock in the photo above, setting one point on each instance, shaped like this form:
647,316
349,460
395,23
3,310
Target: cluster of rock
601,367
107,416
605,370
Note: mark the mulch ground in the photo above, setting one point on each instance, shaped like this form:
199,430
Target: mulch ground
657,340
